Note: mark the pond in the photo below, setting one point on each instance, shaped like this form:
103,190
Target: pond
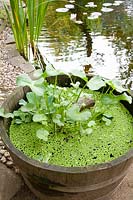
92,35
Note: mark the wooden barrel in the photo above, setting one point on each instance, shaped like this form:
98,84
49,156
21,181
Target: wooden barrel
64,183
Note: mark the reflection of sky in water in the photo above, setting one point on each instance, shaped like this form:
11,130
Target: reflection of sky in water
104,58
109,57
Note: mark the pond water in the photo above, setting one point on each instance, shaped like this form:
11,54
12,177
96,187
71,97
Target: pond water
92,35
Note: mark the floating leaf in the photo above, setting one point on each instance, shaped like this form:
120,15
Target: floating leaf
107,116
117,3
107,4
94,15
62,10
91,123
95,83
107,121
39,117
105,9
90,5
42,134
69,6
87,131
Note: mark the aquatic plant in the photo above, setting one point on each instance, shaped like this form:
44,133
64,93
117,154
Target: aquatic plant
59,106
26,21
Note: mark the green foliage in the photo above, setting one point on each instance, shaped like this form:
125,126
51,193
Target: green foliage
74,114
42,134
114,99
6,115
96,83
26,22
17,19
49,103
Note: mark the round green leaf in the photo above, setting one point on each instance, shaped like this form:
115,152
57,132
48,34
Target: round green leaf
95,83
42,134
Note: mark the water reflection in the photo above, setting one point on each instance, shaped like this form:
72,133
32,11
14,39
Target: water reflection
95,36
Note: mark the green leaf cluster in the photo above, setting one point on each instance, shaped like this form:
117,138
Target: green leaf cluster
26,22
49,103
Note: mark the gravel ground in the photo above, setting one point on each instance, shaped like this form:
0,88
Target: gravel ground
8,75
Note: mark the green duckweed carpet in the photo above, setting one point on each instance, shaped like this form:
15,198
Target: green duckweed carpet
69,148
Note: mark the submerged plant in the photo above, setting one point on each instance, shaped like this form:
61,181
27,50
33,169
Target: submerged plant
60,106
26,22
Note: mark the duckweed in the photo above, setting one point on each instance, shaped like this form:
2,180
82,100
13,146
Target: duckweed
70,148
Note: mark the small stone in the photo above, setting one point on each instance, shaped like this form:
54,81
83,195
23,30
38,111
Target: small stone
9,158
6,154
3,159
17,170
2,151
1,143
9,163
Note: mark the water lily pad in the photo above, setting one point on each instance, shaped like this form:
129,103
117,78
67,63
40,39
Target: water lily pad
94,15
117,3
62,10
78,22
107,4
69,6
73,16
42,134
91,5
72,1
84,13
104,9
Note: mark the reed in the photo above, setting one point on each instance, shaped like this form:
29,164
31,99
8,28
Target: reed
26,19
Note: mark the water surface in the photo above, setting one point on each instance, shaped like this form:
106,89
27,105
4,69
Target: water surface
92,35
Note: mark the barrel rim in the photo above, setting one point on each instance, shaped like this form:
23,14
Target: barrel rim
44,166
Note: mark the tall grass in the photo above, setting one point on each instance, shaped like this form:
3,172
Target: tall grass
26,22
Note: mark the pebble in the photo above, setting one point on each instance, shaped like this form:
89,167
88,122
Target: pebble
2,151
6,154
17,170
10,158
9,163
8,75
1,143
3,159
